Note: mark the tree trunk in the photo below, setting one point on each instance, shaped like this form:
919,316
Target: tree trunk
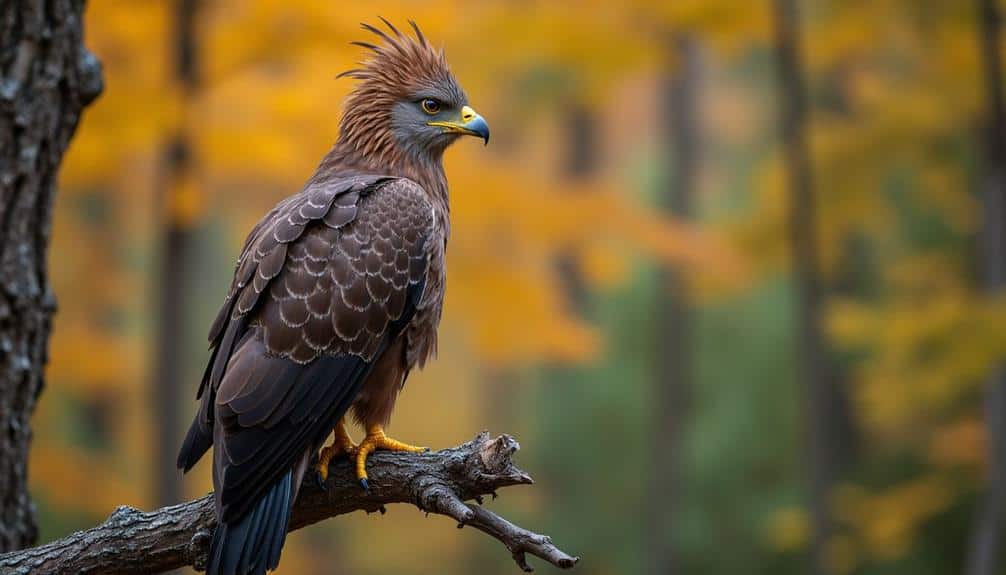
811,371
579,161
681,134
178,204
985,553
46,79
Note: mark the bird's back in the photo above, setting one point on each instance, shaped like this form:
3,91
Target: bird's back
324,285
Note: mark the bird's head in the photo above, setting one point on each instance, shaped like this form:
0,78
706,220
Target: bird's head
407,100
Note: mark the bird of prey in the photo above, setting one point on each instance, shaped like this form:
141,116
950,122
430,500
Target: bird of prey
336,297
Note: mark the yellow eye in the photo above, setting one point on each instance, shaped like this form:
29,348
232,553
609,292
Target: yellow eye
430,106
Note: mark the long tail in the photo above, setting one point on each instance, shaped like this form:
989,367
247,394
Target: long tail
253,544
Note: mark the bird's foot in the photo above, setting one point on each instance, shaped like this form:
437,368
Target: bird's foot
376,439
341,443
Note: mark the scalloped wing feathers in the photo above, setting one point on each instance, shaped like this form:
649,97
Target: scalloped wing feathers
336,260
325,283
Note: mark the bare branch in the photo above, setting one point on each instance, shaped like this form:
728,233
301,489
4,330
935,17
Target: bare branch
135,542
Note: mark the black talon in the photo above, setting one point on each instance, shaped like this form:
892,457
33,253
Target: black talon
319,481
365,485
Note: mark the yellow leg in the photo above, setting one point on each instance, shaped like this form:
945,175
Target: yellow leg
376,439
342,443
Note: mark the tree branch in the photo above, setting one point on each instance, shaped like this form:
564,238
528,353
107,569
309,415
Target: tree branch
132,541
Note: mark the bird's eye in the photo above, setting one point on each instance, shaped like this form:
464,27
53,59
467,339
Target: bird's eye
430,106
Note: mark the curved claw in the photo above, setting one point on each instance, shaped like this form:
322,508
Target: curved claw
376,439
342,443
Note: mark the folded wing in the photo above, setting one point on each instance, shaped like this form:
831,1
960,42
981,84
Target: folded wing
324,284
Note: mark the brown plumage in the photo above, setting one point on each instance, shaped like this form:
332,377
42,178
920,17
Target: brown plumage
337,295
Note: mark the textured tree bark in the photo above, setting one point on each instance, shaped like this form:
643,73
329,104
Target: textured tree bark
681,134
46,78
985,552
134,542
812,373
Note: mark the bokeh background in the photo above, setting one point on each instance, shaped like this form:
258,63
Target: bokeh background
622,294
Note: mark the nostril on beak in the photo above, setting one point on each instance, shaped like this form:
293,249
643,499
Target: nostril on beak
467,117
467,114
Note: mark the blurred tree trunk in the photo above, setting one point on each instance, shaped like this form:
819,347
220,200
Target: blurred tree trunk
674,366
47,77
179,203
985,552
811,370
578,164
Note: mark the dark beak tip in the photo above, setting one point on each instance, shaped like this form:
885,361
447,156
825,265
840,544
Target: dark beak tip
479,127
484,132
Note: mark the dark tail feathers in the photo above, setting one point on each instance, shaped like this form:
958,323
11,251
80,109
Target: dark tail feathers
253,544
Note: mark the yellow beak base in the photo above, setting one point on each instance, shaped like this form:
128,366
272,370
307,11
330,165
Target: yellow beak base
470,123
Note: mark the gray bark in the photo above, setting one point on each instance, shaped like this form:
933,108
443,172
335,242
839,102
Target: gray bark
985,552
46,78
134,542
812,372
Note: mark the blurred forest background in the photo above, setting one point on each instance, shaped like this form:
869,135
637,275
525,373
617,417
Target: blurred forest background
721,271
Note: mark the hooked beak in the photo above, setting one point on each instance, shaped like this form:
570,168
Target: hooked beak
470,124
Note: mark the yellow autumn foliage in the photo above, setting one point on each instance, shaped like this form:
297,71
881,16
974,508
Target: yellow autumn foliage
265,110
890,87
